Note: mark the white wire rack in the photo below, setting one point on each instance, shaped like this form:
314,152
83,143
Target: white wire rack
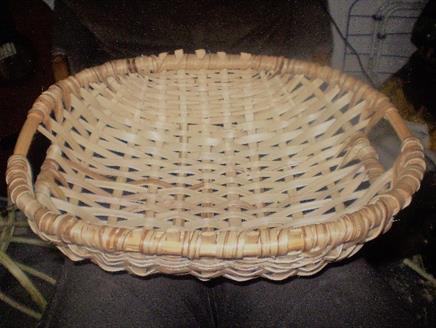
379,31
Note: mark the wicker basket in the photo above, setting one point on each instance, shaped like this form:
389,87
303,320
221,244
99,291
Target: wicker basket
213,165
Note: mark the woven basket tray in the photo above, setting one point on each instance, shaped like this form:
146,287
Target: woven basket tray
213,165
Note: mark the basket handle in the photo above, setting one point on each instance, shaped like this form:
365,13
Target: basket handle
397,124
26,135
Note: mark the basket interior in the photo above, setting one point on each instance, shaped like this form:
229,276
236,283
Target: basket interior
207,149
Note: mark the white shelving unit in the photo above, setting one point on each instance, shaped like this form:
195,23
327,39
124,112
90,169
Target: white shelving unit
379,31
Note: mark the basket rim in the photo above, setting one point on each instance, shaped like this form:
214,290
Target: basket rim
358,227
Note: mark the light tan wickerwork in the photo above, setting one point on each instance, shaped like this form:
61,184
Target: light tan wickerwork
213,165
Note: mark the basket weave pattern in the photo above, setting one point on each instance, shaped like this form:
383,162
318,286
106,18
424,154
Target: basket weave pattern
212,164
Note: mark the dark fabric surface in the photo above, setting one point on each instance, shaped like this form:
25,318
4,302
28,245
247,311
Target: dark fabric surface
348,295
91,32
43,259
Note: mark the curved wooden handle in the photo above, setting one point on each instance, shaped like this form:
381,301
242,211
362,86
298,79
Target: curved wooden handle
397,124
26,135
